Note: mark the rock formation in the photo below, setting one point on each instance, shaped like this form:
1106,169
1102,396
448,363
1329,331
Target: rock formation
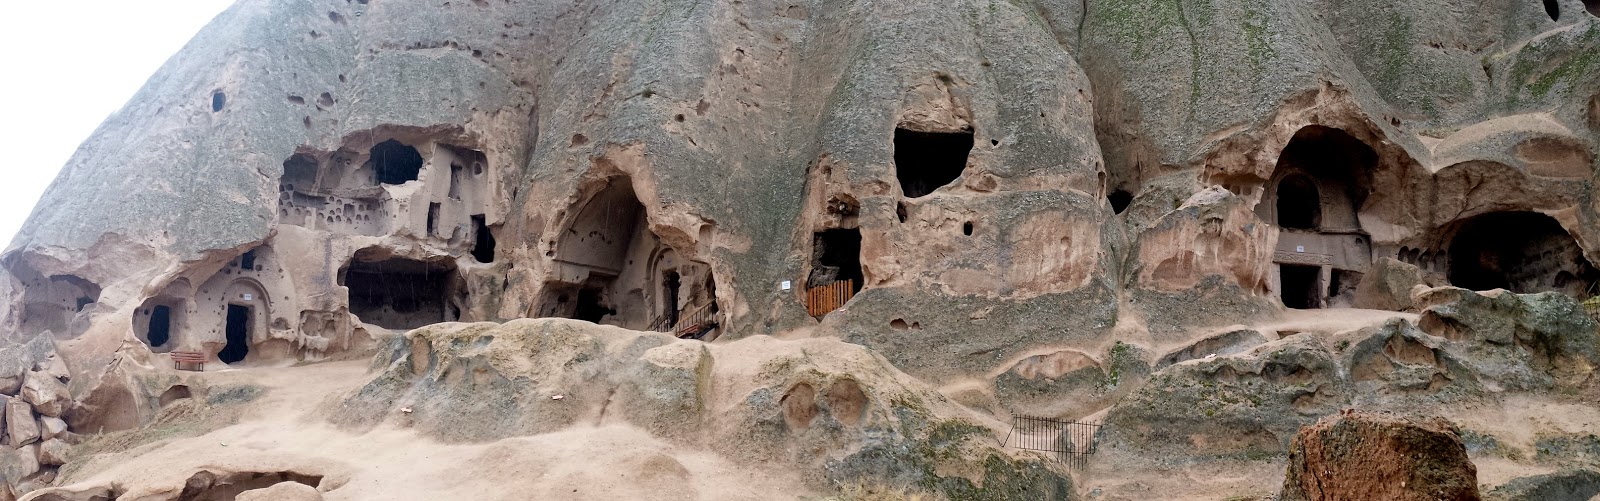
1177,217
1359,455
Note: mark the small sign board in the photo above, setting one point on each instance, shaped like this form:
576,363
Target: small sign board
249,297
786,285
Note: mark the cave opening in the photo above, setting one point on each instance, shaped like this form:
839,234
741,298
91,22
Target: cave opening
927,161
1299,204
670,281
592,305
483,240
237,334
398,292
1120,200
455,181
836,256
1300,286
1323,177
1552,8
247,262
299,171
395,163
160,326
1523,252
596,257
433,218
218,100
1593,6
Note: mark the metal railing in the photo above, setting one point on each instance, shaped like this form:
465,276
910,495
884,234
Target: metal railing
692,323
1069,442
825,298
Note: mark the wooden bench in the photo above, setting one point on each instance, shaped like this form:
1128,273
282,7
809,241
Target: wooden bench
192,358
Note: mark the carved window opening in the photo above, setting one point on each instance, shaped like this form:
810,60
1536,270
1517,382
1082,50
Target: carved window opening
1120,200
395,163
927,161
483,240
1299,203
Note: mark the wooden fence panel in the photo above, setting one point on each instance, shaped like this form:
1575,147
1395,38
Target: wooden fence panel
825,298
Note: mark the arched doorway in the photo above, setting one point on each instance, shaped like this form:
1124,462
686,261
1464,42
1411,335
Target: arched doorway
1299,205
244,313
1315,195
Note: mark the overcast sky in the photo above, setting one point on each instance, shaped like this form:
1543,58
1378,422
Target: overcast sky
68,65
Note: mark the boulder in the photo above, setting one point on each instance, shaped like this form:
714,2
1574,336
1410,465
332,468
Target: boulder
1564,485
1398,361
53,452
1248,403
1358,455
50,427
1387,285
46,393
19,463
282,491
21,428
1519,341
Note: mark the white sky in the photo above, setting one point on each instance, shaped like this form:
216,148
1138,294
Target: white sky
65,68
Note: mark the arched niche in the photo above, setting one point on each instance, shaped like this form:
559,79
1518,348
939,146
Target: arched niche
1521,251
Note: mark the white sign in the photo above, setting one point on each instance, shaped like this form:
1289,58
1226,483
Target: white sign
249,297
1299,248
786,285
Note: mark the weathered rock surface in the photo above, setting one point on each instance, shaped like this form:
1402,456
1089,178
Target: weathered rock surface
283,491
835,410
53,452
21,427
1046,207
1362,455
1516,340
46,393
1565,485
1388,285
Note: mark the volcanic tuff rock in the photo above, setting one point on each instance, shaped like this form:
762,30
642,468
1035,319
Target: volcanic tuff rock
1118,208
1362,455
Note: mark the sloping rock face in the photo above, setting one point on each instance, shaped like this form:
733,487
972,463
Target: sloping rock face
1027,199
1238,394
838,412
1362,455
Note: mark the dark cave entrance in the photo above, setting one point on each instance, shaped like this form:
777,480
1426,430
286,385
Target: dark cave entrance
670,281
160,325
397,292
1552,8
596,255
835,257
395,163
1300,286
1120,200
1299,203
926,161
1593,6
237,333
1523,252
591,305
483,240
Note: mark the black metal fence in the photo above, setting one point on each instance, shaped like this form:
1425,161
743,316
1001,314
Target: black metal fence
1070,442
